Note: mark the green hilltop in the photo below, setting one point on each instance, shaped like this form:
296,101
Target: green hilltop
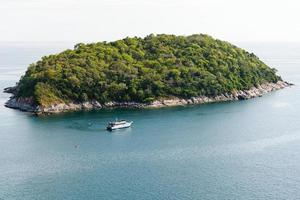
142,70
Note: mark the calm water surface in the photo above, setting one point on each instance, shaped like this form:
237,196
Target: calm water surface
239,150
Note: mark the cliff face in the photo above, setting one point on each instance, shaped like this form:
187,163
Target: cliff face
27,104
23,104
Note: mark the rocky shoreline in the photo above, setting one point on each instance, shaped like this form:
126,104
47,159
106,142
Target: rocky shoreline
26,104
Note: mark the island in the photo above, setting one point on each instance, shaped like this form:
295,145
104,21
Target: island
155,71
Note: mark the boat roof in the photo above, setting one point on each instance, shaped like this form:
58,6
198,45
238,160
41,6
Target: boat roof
118,122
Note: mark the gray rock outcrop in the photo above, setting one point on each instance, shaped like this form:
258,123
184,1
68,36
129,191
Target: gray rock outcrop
26,104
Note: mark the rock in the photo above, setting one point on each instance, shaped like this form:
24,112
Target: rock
11,90
155,104
96,104
183,102
194,100
87,105
171,102
23,104
27,104
189,101
109,104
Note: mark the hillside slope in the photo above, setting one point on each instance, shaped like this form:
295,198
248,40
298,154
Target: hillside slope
143,70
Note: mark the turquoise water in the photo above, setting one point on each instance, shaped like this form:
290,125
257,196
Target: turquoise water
237,150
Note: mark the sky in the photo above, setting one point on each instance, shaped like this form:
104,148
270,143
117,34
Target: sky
108,20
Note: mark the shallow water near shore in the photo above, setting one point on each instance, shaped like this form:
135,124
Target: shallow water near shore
232,150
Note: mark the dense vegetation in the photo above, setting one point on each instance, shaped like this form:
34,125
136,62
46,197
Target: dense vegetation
143,69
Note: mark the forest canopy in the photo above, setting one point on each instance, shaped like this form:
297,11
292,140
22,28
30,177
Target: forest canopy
143,69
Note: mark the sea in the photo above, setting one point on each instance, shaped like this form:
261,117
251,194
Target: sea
234,150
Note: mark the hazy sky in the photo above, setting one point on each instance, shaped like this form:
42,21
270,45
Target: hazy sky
98,20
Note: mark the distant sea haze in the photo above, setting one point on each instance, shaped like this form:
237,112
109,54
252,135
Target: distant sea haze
234,150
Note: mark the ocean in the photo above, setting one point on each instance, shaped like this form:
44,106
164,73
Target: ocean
232,150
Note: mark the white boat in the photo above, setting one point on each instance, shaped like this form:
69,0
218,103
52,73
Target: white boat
118,125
